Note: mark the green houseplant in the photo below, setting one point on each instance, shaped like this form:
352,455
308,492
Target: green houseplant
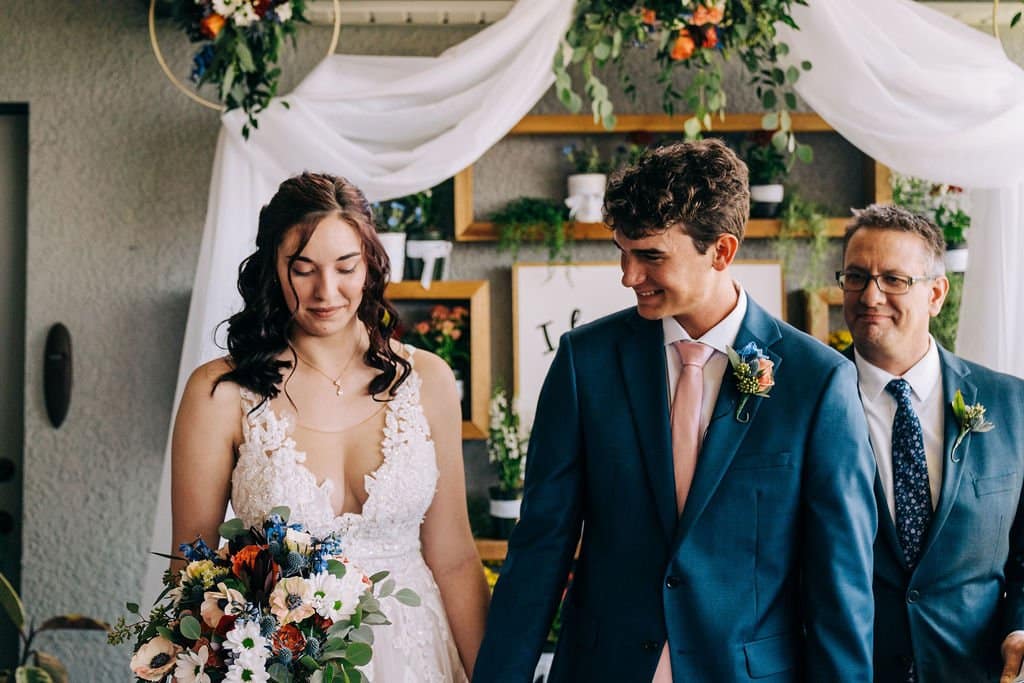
506,450
768,168
36,666
694,34
534,219
801,218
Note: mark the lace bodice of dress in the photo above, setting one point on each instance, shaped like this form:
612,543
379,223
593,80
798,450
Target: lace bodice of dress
271,472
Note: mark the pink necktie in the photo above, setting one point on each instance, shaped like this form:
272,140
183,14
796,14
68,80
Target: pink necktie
686,409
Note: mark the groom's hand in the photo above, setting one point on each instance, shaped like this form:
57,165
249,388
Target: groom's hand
1013,652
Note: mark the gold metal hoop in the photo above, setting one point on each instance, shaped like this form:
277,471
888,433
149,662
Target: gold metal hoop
188,91
995,18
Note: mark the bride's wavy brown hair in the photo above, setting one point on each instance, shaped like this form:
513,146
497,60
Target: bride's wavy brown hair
259,332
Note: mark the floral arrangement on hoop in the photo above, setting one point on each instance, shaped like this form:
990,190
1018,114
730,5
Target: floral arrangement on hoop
274,604
506,442
241,41
443,333
694,34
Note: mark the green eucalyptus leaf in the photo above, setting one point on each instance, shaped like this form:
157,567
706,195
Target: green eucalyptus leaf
379,576
328,676
359,654
386,588
336,568
167,633
11,603
792,75
190,627
805,65
785,122
279,673
959,406
805,153
790,99
363,634
309,663
407,596
768,99
132,607
282,511
244,57
770,121
232,528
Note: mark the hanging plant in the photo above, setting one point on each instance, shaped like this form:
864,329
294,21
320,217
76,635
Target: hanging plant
239,47
695,34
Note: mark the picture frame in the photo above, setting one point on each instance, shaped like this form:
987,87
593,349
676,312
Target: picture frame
548,300
817,303
415,303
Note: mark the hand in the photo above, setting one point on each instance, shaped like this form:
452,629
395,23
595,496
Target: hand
1013,652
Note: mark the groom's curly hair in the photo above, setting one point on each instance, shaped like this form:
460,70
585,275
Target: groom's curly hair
260,331
699,186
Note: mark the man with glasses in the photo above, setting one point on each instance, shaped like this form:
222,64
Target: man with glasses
949,555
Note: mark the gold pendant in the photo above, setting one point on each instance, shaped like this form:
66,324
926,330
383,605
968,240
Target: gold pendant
337,386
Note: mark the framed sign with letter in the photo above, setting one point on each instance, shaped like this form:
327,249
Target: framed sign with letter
548,301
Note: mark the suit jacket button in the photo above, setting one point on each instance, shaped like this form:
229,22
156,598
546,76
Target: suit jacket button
913,596
649,645
673,581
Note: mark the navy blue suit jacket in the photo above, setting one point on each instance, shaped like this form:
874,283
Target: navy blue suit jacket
966,594
766,576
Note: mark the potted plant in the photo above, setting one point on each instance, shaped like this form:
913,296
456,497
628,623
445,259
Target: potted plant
445,333
801,218
768,168
35,665
586,182
534,219
392,218
506,450
944,204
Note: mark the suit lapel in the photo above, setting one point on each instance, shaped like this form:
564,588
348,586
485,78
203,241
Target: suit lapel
725,433
954,376
642,359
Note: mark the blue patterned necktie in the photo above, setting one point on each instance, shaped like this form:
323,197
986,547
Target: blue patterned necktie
910,474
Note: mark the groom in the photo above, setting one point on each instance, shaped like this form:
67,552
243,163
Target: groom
727,515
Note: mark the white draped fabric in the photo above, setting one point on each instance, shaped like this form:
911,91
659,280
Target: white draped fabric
908,86
930,97
391,125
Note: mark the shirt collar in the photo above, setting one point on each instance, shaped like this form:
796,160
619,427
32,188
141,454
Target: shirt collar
922,377
718,337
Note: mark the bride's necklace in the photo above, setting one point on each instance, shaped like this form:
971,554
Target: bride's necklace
336,381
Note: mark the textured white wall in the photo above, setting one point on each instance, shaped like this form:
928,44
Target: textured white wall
119,168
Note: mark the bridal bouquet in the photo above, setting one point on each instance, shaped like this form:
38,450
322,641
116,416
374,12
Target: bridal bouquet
274,604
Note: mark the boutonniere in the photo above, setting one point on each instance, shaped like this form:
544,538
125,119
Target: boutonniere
753,372
971,418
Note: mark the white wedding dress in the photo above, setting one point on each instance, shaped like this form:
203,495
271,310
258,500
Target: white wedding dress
417,647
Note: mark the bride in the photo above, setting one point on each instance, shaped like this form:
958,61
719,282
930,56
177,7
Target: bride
316,408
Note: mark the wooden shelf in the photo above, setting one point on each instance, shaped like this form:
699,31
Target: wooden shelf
475,294
757,228
550,124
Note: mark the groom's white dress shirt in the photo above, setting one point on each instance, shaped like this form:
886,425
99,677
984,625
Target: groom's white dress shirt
718,337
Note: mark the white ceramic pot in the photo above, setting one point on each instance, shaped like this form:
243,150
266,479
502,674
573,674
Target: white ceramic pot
430,251
586,197
394,247
765,200
956,260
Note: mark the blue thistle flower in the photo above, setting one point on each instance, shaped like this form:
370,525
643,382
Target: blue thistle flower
268,624
201,62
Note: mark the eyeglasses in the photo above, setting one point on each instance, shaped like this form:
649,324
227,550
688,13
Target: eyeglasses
857,281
